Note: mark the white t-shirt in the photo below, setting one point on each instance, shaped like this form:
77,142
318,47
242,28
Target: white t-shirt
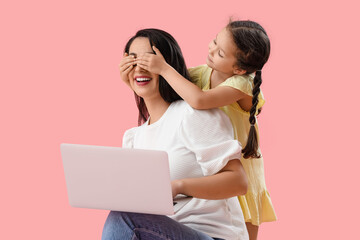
198,143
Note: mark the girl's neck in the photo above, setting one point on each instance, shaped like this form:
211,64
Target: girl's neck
156,108
218,77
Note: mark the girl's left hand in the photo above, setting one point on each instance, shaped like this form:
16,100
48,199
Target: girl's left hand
154,63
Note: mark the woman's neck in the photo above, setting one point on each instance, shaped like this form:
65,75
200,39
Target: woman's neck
156,108
218,77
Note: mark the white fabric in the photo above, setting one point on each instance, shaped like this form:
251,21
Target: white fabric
199,143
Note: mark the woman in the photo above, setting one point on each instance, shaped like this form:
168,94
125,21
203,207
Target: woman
203,157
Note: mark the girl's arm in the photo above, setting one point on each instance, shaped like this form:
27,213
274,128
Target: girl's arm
228,182
193,95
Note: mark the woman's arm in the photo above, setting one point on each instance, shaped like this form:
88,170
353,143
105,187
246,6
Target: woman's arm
194,96
228,182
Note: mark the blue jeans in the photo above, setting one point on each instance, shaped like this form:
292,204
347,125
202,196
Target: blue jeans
136,226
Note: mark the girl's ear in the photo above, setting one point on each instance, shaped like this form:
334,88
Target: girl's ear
239,71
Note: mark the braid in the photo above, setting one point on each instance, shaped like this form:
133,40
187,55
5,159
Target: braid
253,52
252,145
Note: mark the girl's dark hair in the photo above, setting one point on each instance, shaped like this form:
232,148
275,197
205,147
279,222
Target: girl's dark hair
171,51
253,52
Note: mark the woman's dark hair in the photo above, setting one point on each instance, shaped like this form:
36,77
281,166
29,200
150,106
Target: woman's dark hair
253,52
171,51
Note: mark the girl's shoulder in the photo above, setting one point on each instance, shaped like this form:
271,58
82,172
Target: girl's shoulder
198,69
199,74
244,83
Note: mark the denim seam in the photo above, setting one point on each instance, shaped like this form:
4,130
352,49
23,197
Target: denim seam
152,232
134,237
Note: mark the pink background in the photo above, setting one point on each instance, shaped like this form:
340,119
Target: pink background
60,83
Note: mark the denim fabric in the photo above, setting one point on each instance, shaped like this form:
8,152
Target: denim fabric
136,226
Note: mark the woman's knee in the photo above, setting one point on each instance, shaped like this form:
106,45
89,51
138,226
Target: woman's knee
118,225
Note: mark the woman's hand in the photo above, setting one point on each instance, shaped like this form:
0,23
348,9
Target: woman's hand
176,187
125,66
154,63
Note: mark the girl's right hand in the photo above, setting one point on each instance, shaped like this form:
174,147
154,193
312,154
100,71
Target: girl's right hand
125,66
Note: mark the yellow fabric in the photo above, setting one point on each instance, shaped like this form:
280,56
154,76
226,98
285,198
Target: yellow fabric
256,204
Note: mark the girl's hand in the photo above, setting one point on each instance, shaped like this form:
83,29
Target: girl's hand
125,66
154,63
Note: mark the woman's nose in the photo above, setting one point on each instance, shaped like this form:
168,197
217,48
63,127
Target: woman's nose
137,68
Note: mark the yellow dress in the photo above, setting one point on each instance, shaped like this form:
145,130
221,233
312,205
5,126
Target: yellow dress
256,204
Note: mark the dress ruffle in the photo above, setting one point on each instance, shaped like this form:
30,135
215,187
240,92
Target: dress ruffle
257,208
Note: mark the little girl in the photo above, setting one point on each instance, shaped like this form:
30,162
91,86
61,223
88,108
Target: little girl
231,80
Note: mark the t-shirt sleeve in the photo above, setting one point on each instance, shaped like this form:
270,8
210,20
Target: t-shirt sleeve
244,83
128,138
195,75
209,135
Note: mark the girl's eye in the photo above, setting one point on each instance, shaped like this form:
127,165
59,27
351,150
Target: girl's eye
220,54
214,41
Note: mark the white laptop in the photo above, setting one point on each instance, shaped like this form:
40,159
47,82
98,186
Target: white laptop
120,179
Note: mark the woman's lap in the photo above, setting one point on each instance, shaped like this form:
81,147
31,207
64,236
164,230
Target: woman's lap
134,226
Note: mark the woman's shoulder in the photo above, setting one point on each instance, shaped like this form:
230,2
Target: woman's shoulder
128,137
181,109
195,120
185,111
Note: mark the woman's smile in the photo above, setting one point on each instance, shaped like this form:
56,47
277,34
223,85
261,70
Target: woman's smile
144,83
142,80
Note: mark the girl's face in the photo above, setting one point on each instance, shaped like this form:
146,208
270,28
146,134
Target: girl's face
222,51
145,84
